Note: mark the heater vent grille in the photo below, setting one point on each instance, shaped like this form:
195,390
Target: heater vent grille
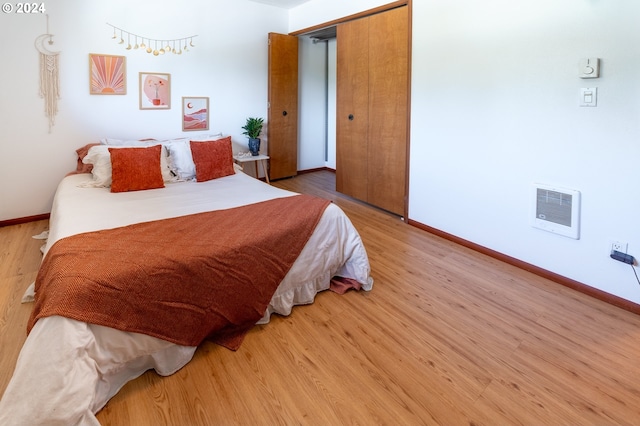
556,210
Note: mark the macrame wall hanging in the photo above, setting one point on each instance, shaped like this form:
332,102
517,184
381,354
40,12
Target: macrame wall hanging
49,75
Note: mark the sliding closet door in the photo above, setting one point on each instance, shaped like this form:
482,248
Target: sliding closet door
372,109
282,121
388,109
352,115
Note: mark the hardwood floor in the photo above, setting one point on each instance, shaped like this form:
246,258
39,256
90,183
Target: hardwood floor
446,336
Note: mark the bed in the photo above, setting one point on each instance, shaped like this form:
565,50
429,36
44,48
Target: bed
69,367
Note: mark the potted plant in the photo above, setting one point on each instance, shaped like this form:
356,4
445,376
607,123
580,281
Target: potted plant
252,129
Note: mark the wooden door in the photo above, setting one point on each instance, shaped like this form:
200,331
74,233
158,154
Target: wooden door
352,115
388,109
282,124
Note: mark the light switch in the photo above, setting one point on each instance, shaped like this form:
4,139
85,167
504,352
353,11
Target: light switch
589,97
589,68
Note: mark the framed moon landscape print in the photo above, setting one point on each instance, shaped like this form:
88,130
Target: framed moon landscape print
195,113
155,90
107,75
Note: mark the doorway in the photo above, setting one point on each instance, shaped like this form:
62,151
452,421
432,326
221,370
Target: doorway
317,100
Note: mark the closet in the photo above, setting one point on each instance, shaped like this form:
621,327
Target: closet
372,109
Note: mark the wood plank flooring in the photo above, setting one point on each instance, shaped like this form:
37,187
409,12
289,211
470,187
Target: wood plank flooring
447,336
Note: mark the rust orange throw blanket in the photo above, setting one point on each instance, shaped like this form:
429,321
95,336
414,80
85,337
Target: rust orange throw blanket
207,275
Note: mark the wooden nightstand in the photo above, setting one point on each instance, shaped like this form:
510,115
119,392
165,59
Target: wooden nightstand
262,159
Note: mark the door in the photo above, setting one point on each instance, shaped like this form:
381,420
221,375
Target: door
388,109
352,103
282,124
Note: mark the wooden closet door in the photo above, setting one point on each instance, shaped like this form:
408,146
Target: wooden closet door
388,109
372,109
282,125
352,108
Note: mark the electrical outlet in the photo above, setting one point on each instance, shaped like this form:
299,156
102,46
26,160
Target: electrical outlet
619,246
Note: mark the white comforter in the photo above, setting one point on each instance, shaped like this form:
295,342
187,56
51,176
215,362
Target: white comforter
68,370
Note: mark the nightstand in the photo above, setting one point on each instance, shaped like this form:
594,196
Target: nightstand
262,159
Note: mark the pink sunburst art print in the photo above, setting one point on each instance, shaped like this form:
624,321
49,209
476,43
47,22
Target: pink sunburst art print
107,75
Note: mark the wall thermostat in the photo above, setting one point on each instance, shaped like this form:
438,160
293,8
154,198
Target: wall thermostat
589,68
556,210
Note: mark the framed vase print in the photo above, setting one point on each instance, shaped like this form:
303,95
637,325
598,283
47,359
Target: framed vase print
155,90
195,113
107,75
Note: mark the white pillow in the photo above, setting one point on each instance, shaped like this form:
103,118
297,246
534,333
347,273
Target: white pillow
180,159
206,137
127,144
100,158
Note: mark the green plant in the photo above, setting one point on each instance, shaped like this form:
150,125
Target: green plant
253,128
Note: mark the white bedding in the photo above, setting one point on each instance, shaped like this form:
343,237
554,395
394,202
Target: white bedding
68,370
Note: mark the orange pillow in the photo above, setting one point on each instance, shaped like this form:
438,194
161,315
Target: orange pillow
135,169
213,159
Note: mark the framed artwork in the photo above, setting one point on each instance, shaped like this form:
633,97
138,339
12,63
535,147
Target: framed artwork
155,90
195,113
107,75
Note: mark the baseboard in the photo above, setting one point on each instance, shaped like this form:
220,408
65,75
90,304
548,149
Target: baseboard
567,282
302,172
27,219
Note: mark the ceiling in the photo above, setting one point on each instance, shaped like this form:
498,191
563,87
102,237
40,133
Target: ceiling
285,4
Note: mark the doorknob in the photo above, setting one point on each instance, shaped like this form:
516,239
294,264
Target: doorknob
350,117
284,113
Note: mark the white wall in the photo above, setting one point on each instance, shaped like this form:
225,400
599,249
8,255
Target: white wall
332,103
228,64
495,108
312,103
317,135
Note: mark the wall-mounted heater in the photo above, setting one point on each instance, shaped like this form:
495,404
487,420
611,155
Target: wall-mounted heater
556,210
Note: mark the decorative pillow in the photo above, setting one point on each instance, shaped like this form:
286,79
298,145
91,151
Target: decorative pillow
100,159
136,169
213,159
180,158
